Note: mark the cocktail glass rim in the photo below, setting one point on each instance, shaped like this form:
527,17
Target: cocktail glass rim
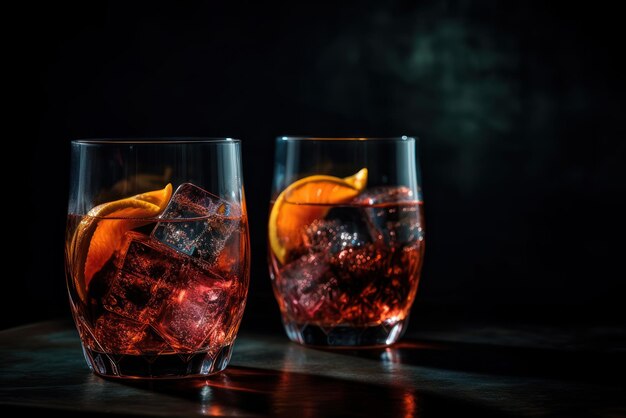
365,138
155,140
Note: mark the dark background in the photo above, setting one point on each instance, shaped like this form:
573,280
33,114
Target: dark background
519,107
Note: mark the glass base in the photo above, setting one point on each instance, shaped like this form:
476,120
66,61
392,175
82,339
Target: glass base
345,336
162,366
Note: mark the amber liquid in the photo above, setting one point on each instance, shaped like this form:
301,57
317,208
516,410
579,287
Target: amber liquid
151,308
358,267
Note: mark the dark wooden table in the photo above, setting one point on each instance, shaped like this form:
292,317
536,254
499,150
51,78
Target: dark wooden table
484,371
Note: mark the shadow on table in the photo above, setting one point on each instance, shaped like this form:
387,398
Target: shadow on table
499,360
254,391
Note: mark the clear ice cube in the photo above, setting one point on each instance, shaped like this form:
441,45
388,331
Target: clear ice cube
119,335
195,312
391,216
204,237
385,194
228,263
160,290
308,284
341,228
146,277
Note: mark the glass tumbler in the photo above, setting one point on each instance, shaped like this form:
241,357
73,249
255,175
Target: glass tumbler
345,238
157,254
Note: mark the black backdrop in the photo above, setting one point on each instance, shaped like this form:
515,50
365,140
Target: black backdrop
518,106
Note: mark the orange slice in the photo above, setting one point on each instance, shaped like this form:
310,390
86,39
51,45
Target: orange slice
97,237
286,220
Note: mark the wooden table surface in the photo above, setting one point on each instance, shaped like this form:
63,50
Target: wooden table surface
488,372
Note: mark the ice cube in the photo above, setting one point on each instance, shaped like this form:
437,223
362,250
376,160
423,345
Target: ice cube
147,257
195,313
230,261
385,194
393,214
204,237
306,285
345,228
148,272
118,335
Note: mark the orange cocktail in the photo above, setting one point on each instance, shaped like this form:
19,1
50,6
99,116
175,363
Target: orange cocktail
345,259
